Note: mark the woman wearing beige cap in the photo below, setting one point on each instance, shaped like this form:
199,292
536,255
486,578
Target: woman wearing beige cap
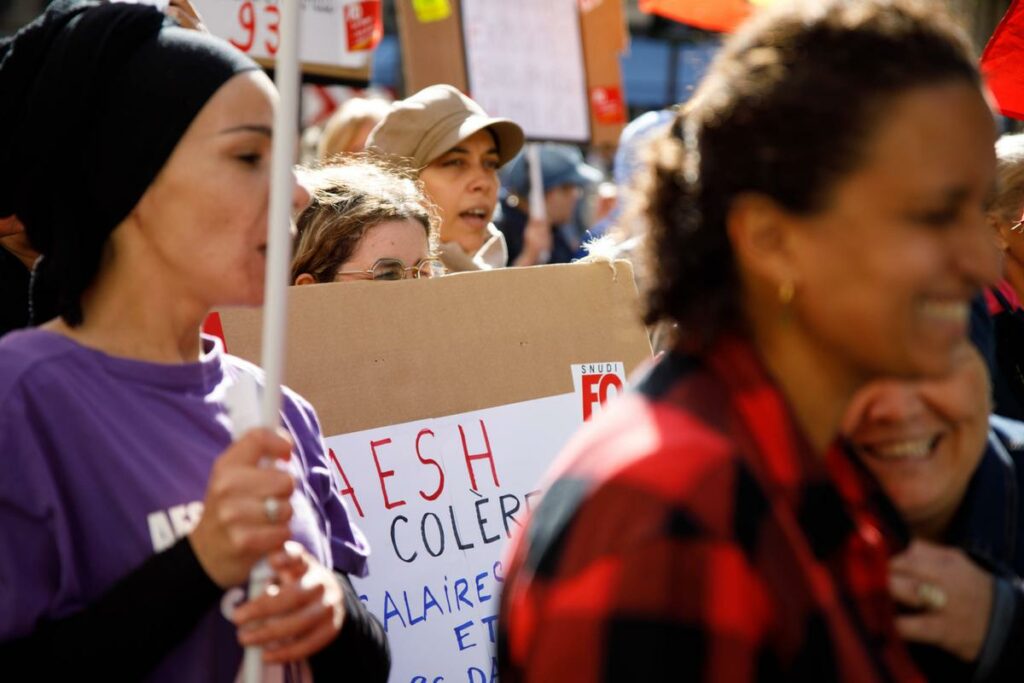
458,150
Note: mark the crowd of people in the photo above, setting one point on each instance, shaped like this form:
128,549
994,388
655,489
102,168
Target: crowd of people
817,478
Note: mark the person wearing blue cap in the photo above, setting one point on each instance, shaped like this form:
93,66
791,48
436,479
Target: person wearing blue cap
535,241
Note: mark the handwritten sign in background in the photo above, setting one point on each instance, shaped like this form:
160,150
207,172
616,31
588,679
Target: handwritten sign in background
488,399
525,62
438,500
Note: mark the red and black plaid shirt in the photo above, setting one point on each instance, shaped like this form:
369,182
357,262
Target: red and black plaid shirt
690,533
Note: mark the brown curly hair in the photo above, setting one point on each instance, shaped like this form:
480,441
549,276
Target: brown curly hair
348,197
784,111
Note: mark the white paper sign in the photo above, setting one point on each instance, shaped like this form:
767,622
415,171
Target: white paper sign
334,32
438,500
525,62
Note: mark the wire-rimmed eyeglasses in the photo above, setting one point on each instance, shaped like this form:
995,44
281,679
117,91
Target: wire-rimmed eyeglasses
395,269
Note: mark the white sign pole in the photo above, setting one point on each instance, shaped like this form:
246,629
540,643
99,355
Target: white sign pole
538,209
278,257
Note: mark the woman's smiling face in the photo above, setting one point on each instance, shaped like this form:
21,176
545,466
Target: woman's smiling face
923,440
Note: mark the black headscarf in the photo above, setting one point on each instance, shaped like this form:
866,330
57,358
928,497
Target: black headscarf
95,97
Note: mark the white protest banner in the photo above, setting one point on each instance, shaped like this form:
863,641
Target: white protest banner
443,402
525,62
338,36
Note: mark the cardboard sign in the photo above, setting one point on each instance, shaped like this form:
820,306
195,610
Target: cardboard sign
605,40
337,36
443,402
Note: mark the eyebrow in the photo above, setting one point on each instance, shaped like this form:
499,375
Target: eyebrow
249,128
956,195
463,150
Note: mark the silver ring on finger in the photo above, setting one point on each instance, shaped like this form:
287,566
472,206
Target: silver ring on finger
272,509
932,597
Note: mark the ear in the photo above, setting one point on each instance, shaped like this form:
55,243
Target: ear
305,279
761,235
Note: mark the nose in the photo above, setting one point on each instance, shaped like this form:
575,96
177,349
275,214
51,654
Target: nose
484,179
895,403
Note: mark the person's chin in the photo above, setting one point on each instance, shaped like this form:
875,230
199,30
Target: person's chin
251,296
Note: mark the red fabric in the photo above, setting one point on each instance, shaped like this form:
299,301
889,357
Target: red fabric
1002,62
712,15
1006,289
689,533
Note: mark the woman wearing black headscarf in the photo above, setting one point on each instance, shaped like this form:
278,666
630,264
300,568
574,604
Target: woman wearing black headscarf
128,518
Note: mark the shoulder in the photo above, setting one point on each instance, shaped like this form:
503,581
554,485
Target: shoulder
648,497
237,365
29,357
672,432
647,443
644,469
297,410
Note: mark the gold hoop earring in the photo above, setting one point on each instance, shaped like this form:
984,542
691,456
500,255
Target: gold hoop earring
787,290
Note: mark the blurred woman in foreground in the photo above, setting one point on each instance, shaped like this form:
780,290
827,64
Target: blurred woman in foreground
816,222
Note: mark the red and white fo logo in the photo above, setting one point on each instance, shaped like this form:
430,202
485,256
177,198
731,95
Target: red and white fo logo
596,383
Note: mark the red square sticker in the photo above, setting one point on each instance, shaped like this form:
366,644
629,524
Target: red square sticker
607,105
363,25
596,384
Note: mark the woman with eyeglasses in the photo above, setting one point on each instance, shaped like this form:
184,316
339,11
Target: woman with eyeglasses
368,220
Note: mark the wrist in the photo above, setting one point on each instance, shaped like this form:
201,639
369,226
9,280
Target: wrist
197,543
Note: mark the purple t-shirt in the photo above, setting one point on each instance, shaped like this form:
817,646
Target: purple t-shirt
105,461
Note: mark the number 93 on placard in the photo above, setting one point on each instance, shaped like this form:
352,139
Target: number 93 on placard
258,28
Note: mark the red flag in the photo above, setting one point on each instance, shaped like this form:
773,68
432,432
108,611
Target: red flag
712,15
1003,62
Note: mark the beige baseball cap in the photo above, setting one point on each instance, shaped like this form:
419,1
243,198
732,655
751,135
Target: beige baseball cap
426,125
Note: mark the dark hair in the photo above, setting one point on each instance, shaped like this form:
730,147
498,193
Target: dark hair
348,197
784,111
134,82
